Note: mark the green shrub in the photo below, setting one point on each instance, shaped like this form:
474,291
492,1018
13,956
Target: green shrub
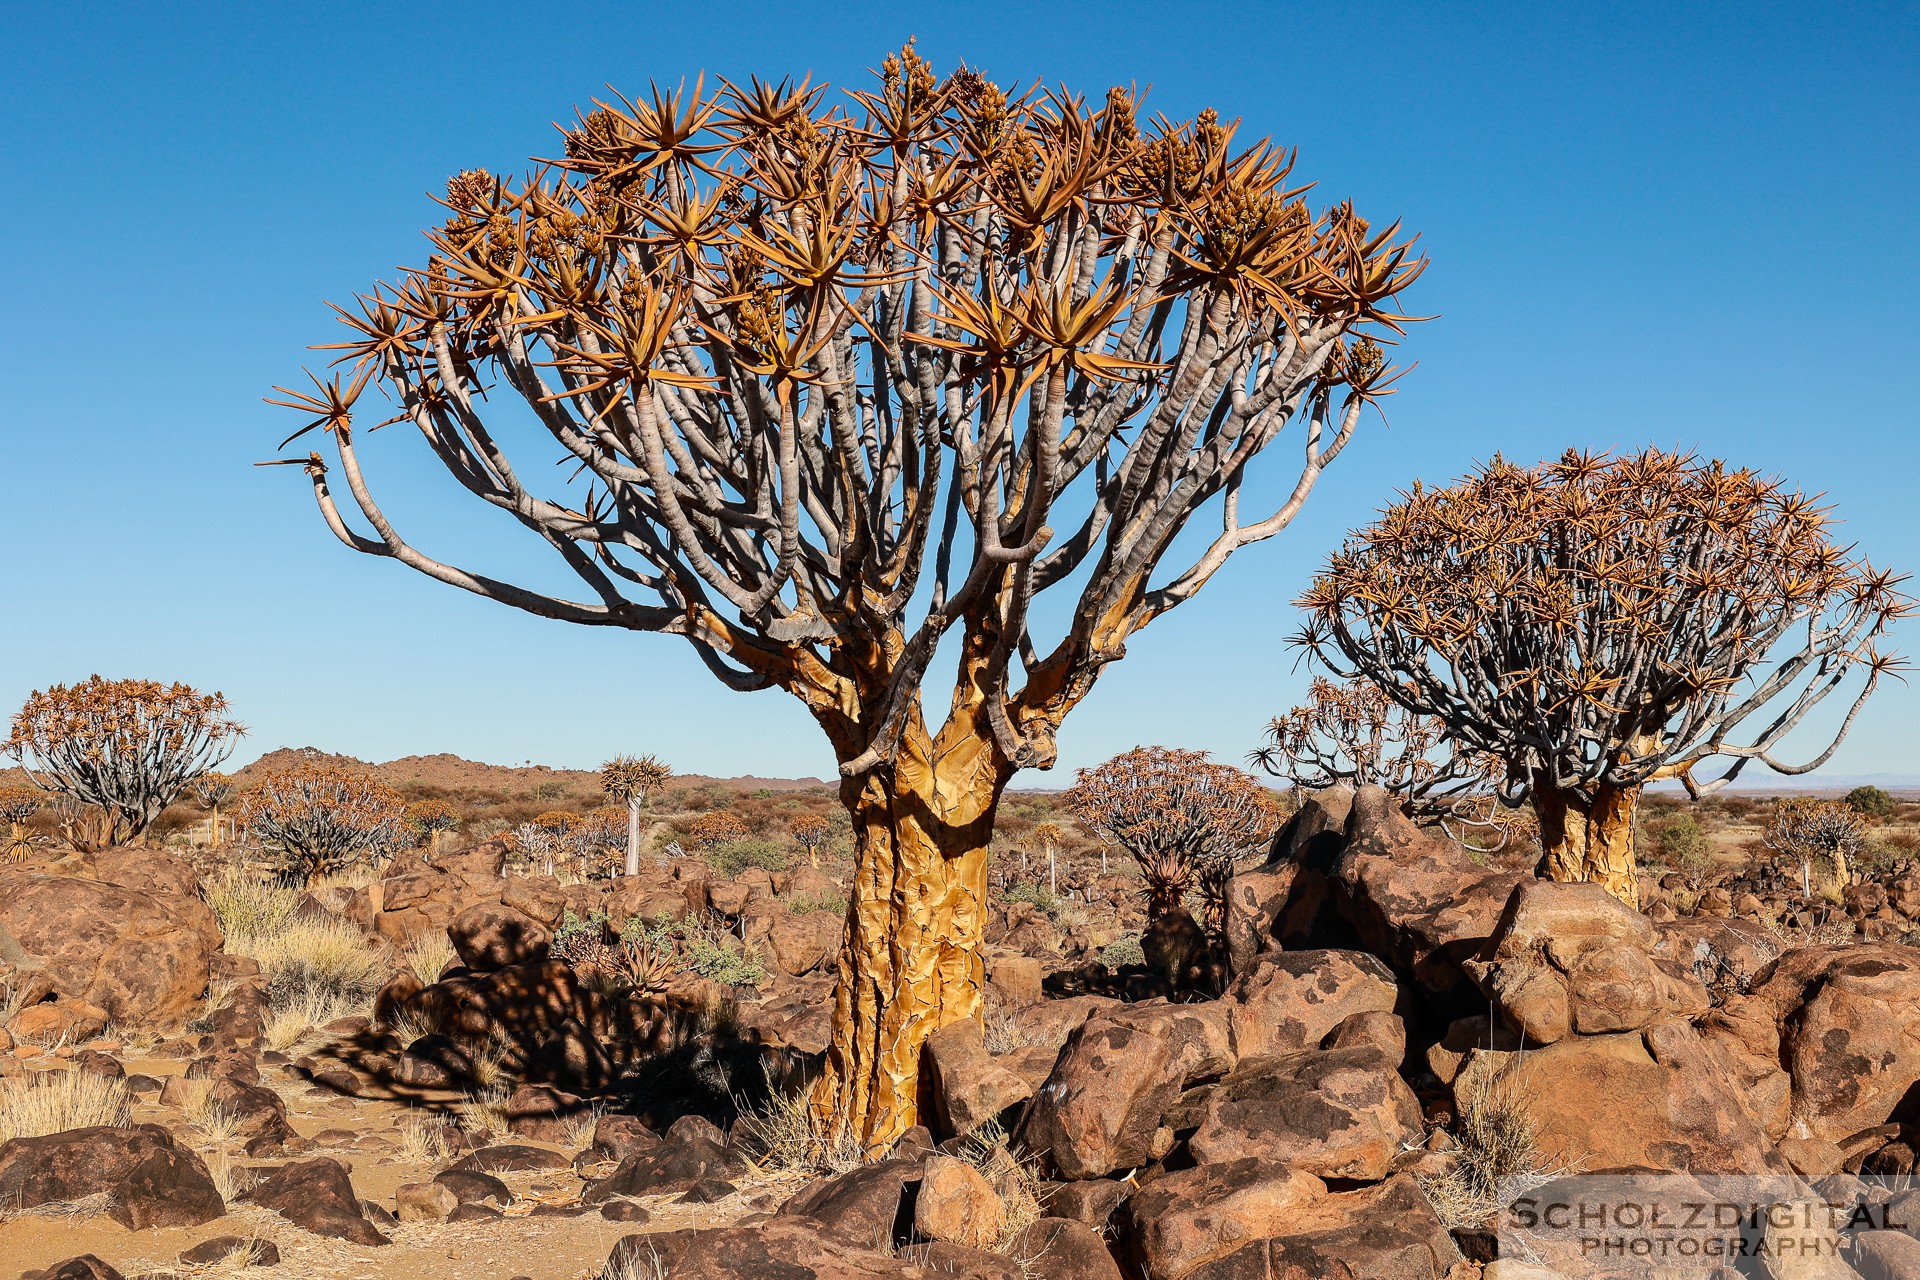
806,903
1682,843
1122,952
718,956
735,856
1038,894
1870,802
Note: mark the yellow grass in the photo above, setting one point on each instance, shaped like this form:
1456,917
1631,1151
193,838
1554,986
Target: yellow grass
56,1101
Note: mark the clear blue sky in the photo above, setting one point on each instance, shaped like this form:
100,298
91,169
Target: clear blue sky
1684,224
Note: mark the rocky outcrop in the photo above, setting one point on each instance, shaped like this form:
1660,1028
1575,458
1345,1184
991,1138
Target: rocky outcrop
140,954
1333,1113
1099,1109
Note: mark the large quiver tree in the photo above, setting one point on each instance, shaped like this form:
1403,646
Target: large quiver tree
839,381
1602,623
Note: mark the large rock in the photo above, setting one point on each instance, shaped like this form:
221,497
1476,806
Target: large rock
1098,1110
317,1195
141,955
489,936
864,1206
1842,1025
957,1204
790,1249
1062,1249
1178,1221
670,1167
84,1267
968,1085
1333,1113
1417,900
1573,959
1659,1099
153,1181
1384,1232
1289,1001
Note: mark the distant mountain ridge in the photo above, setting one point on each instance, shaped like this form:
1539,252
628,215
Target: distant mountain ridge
449,772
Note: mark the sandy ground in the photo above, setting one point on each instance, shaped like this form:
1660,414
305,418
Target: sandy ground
367,1138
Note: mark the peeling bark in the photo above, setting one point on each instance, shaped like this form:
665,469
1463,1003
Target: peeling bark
1588,837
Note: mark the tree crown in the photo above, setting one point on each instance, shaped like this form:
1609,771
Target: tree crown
799,351
1602,619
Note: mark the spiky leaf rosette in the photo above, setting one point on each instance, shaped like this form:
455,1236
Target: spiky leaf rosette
627,778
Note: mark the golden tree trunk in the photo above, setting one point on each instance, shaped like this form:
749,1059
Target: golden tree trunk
1588,837
910,963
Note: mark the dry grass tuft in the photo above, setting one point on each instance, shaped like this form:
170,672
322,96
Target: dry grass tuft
1497,1158
317,967
486,1113
423,1138
428,955
55,1101
788,1139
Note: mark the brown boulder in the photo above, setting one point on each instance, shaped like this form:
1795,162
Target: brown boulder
1660,1099
141,956
967,1085
790,1249
1844,1024
863,1207
153,1181
1290,1000
1384,1232
1180,1220
1573,959
1417,900
1098,1110
1062,1249
84,1267
317,1195
957,1204
1333,1113
488,936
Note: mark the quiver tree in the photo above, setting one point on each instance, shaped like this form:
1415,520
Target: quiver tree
1807,828
432,819
1600,623
1352,734
17,807
213,790
630,780
128,748
321,818
837,381
717,827
1183,818
810,831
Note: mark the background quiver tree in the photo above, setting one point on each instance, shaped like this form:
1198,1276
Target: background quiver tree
1808,828
432,819
1186,821
213,791
630,780
321,818
1352,734
127,748
810,831
1599,623
717,827
17,807
836,382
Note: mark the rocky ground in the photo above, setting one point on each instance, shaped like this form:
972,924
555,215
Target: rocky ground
1400,1020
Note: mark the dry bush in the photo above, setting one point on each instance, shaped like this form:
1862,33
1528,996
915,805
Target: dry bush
316,968
785,1136
45,1102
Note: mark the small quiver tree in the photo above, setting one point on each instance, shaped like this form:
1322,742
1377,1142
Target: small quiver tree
717,827
1186,821
1807,828
431,820
630,780
1352,734
17,807
213,791
810,831
1601,623
320,818
838,381
126,748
